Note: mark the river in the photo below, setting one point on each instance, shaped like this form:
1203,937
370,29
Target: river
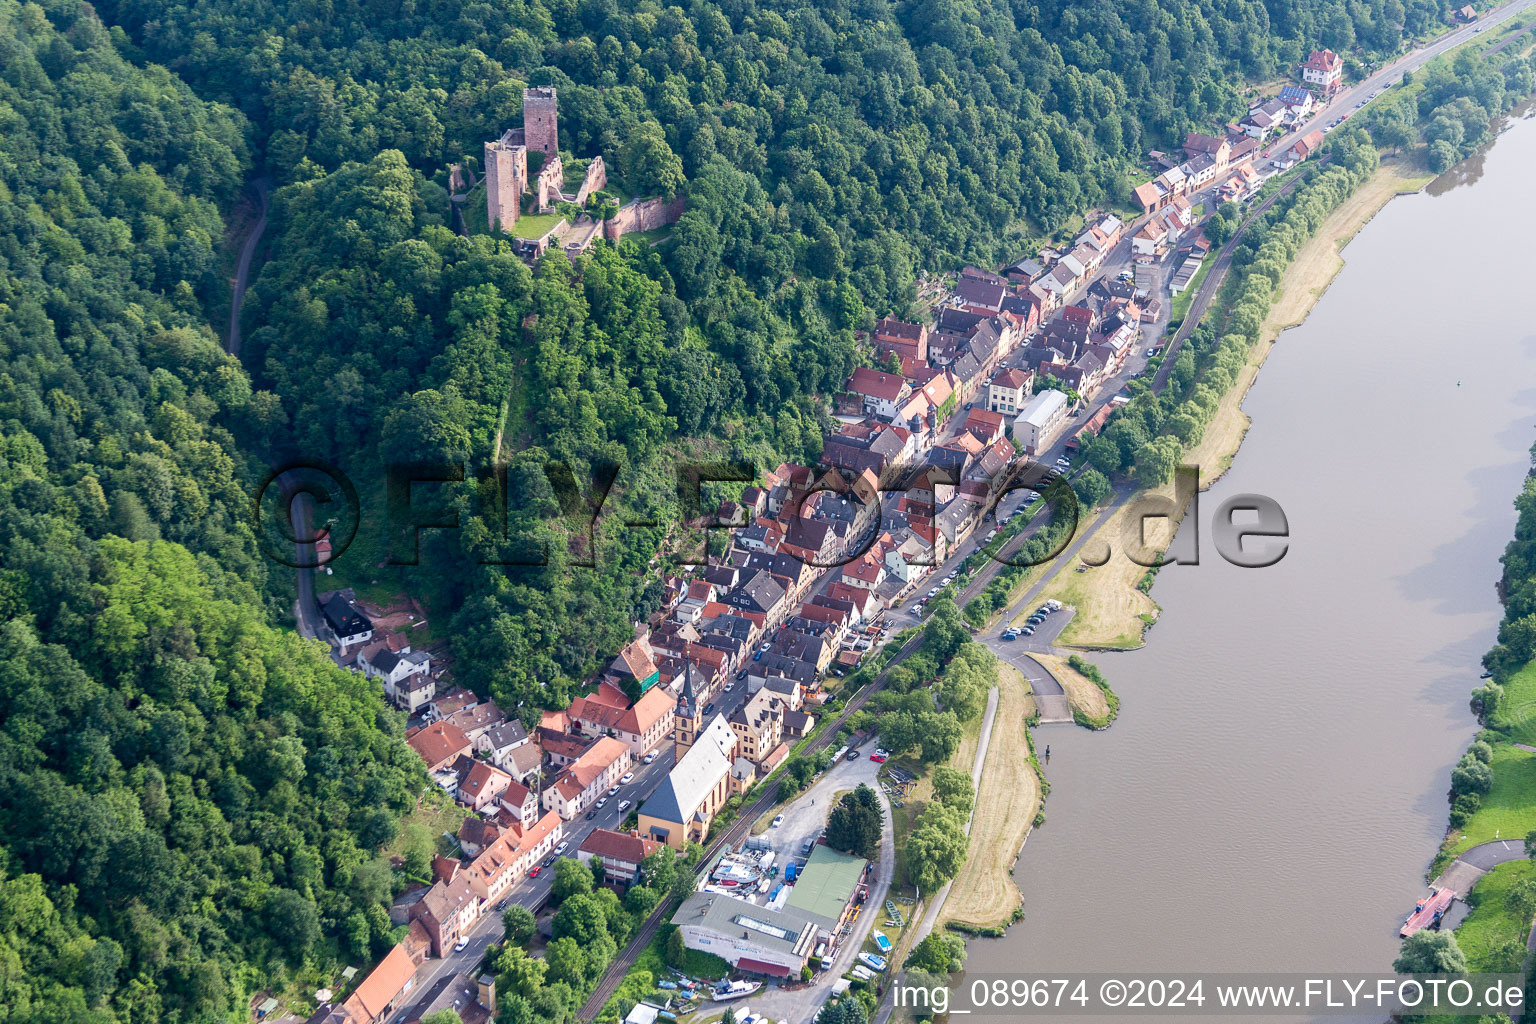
1275,785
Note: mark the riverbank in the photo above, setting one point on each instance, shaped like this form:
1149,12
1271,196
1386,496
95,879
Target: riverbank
984,895
1090,702
1112,611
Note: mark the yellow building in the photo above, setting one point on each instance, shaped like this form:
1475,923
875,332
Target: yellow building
681,809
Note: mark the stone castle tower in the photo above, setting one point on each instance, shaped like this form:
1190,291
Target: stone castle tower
506,159
541,128
506,179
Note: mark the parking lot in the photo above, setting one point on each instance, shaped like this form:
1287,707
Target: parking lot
804,819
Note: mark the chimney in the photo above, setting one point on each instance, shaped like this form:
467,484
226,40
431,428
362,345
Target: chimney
486,991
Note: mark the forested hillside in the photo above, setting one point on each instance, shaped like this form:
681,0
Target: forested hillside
937,127
829,153
190,800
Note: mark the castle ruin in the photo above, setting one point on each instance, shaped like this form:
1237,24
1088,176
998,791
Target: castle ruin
507,181
506,161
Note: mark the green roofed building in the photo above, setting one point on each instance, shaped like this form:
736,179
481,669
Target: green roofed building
777,940
829,886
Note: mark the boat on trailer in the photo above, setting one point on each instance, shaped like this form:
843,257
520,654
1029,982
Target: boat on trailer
737,989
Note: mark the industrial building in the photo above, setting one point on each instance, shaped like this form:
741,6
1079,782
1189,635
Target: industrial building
776,934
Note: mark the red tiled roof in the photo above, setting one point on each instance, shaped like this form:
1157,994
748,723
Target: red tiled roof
890,327
480,777
872,383
385,982
1322,60
649,709
1012,378
618,846
438,742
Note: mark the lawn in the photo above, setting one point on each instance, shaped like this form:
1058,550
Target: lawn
1493,921
1516,716
1108,609
434,814
984,894
1179,307
534,225
1509,809
1082,693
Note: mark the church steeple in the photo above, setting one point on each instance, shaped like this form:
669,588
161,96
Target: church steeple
689,716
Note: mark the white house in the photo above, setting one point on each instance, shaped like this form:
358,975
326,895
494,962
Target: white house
1008,390
1036,425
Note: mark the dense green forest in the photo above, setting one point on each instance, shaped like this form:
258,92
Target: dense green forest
190,800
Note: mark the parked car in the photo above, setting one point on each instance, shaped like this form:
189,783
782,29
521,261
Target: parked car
1010,636
458,947
602,802
1028,631
853,755
591,814
878,758
563,845
649,757
778,819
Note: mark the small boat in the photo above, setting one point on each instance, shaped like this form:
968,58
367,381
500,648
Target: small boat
734,990
883,942
1428,911
861,972
873,962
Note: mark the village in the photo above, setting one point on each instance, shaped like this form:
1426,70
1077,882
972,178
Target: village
955,421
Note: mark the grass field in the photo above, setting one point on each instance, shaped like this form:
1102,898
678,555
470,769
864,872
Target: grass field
1516,716
1509,809
1108,609
1082,693
1493,922
1179,306
984,894
534,225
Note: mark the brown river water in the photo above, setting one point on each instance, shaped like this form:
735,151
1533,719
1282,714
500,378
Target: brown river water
1275,785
